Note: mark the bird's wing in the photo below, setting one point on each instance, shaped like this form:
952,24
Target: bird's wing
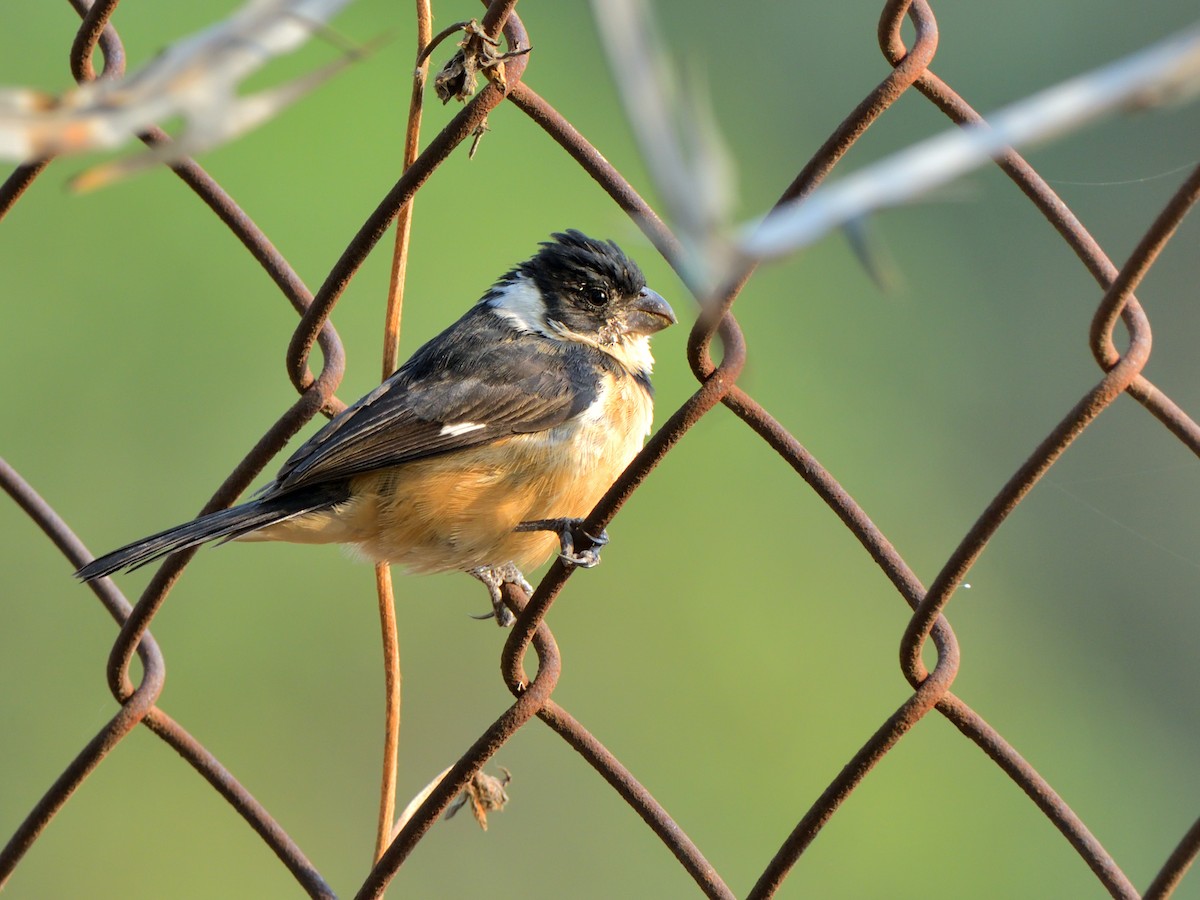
464,388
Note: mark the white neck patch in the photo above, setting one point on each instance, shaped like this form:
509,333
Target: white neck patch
521,303
631,350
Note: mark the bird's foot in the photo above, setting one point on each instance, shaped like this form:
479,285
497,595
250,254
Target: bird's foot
494,578
571,536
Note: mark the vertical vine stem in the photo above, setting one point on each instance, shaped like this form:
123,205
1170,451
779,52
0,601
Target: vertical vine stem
391,347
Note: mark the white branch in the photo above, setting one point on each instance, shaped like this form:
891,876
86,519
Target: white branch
1166,71
196,79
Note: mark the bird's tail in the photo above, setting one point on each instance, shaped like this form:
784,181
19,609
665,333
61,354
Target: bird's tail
228,524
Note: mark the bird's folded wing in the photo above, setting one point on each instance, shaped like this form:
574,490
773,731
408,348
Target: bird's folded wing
448,397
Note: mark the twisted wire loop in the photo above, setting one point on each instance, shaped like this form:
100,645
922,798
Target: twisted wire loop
1121,372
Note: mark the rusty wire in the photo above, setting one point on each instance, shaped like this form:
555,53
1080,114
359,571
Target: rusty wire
1122,372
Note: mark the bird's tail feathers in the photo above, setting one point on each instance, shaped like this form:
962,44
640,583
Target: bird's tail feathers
224,524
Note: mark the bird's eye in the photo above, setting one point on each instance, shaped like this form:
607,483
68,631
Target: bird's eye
596,296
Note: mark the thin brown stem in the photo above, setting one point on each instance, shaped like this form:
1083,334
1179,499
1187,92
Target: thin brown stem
391,347
391,720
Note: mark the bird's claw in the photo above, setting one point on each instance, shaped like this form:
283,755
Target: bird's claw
494,578
584,559
569,533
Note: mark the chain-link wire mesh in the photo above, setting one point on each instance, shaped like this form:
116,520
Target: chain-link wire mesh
1117,329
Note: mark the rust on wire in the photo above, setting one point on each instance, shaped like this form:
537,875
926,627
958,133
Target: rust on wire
1121,372
95,30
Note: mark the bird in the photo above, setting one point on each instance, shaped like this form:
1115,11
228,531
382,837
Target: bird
482,452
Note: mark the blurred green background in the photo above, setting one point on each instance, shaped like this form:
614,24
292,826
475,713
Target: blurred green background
737,645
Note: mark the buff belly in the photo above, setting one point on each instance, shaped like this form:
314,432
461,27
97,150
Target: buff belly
458,511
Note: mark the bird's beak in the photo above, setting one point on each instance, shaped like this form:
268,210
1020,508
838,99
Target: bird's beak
649,313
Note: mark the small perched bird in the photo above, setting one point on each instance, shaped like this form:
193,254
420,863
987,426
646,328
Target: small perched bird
482,451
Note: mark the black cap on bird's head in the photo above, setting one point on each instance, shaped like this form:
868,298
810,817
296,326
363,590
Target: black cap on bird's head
592,287
574,258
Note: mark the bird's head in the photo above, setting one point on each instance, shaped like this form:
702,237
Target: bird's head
581,289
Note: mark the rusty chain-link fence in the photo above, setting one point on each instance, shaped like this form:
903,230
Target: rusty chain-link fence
1119,340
